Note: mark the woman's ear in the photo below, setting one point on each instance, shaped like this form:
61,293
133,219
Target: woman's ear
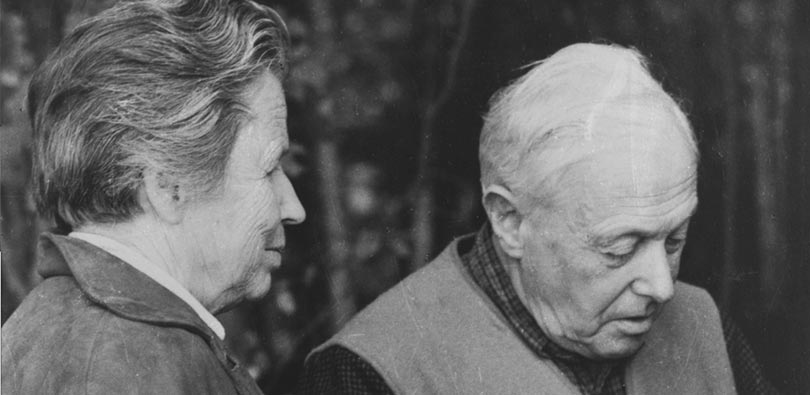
163,196
501,208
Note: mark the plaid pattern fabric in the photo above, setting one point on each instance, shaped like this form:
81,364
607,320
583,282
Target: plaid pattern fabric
337,370
747,373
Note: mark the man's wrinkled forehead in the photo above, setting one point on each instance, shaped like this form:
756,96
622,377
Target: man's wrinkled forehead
623,156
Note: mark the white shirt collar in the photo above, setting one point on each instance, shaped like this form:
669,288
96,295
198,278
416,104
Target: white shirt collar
139,262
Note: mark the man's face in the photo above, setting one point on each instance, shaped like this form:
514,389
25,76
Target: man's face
238,232
600,262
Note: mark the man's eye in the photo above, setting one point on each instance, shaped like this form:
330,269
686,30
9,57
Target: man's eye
674,244
621,250
618,255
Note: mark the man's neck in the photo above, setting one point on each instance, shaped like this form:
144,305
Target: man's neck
512,267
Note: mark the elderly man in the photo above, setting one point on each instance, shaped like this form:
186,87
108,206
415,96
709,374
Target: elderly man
159,129
589,174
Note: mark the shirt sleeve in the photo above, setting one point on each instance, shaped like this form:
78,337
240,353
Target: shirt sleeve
748,375
336,370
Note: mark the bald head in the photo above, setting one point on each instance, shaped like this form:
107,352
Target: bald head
586,101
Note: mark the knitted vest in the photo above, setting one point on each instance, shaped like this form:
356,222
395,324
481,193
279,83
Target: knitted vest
437,333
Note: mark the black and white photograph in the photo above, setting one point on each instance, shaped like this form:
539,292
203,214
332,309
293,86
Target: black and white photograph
302,197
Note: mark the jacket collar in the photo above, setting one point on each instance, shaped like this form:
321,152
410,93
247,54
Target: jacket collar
116,285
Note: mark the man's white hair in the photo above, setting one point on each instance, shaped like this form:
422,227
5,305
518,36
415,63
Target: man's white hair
560,98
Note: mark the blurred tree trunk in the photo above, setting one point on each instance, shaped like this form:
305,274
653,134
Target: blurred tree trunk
329,175
17,213
799,195
763,92
31,29
46,24
770,89
765,175
24,25
439,86
756,90
726,62
337,248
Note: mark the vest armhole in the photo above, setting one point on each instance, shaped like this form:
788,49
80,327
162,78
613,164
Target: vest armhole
376,364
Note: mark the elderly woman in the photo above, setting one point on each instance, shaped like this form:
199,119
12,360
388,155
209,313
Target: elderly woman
159,131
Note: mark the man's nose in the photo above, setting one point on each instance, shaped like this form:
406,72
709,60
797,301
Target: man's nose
292,212
654,277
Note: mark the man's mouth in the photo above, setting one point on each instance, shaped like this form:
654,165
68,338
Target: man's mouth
636,325
640,318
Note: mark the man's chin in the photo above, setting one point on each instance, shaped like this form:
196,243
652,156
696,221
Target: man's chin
607,344
617,348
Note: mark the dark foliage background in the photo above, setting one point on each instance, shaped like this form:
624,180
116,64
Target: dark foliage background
385,101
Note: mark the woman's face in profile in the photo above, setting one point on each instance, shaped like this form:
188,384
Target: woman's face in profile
236,234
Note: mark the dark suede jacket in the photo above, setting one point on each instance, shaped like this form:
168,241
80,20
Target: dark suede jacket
96,325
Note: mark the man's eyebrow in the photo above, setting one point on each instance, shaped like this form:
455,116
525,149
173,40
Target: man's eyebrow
616,235
683,224
693,212
613,238
688,219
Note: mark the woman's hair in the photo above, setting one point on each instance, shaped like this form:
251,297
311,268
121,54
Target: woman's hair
146,85
569,95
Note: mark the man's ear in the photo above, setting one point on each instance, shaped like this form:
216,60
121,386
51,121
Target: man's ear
501,208
163,196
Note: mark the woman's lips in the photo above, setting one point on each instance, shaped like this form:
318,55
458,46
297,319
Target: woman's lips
275,263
